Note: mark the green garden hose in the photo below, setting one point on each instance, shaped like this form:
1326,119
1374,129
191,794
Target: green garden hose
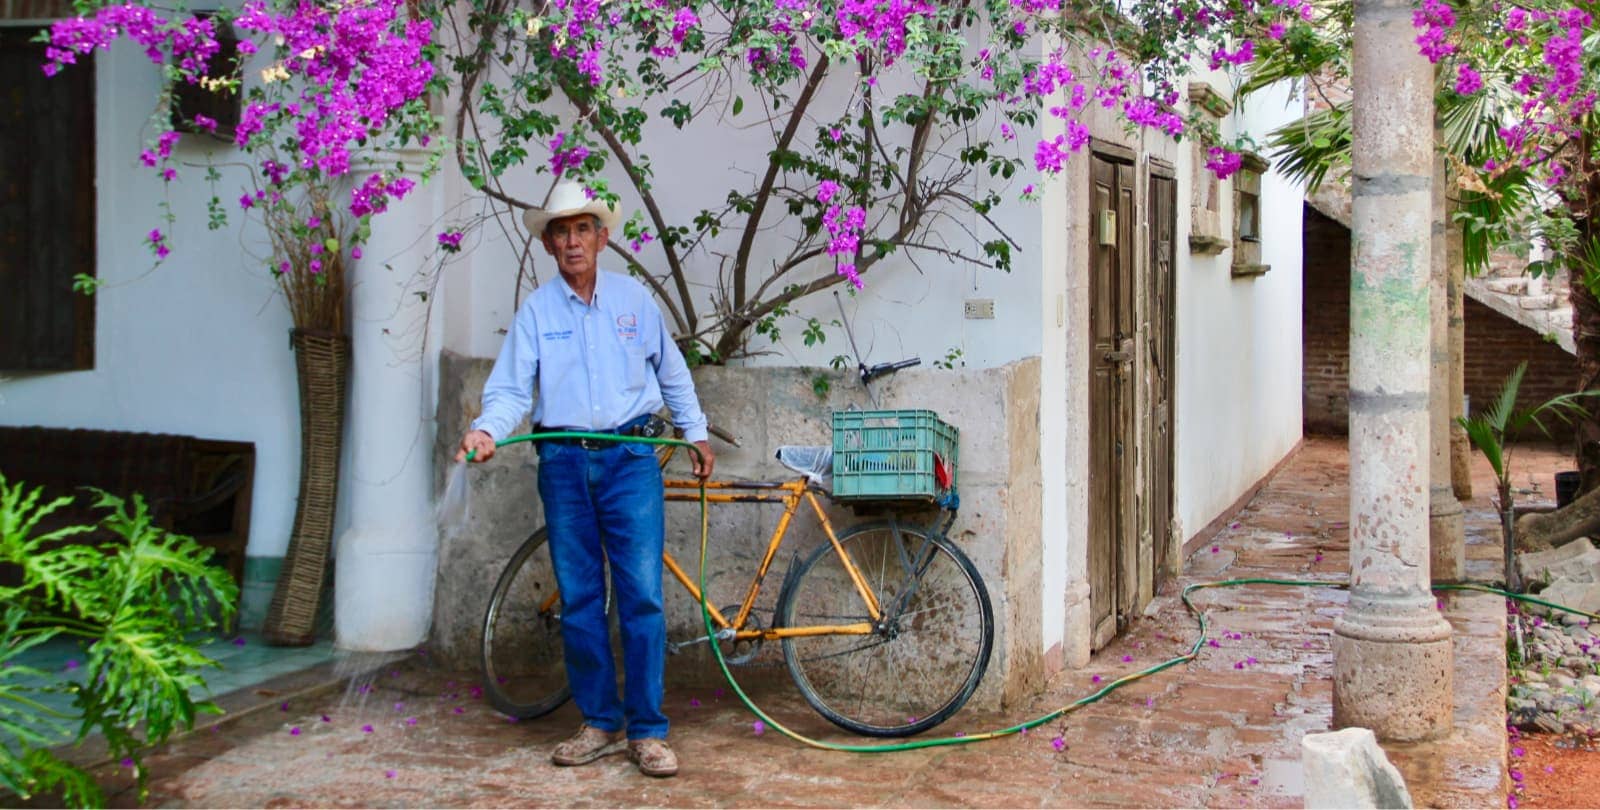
1194,650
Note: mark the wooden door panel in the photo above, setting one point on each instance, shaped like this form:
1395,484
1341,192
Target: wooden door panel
1102,410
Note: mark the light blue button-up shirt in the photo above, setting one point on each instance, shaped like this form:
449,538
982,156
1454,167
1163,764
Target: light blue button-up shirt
595,366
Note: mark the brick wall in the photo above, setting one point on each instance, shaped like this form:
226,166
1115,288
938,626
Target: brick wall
1494,343
35,9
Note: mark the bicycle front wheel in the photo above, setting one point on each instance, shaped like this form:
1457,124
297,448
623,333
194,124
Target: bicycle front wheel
926,654
524,672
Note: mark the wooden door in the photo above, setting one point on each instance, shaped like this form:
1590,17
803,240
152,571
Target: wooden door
1113,549
1161,295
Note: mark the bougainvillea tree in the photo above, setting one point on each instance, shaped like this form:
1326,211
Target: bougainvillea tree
884,127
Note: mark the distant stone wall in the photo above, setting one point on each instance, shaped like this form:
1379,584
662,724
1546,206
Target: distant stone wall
997,411
1494,343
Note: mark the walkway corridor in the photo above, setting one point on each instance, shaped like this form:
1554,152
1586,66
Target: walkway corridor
1221,732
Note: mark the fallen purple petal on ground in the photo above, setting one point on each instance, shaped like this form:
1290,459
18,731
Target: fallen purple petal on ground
758,727
1516,776
460,710
411,721
1215,549
238,642
294,732
399,706
1213,643
1238,665
73,664
1058,744
327,719
388,774
694,701
1095,679
1519,751
1127,659
283,707
366,729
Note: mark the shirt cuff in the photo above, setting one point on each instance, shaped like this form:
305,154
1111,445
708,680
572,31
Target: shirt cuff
695,434
483,425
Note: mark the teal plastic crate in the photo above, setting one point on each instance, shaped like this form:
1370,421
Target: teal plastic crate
891,455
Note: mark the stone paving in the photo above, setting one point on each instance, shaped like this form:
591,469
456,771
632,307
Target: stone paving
1223,731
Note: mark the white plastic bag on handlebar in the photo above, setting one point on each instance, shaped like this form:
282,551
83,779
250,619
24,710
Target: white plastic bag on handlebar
815,463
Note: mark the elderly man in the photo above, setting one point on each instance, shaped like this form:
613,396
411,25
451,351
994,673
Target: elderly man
592,345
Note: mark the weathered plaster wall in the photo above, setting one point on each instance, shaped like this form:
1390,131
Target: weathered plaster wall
1238,398
996,410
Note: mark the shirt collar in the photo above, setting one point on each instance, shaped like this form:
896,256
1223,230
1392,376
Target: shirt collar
572,297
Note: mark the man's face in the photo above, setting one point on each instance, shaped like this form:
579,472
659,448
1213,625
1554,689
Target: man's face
575,242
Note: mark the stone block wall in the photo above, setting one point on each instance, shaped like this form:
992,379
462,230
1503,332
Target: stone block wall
997,411
1494,343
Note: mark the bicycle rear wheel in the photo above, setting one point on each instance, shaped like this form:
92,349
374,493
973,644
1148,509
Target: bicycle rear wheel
925,656
524,672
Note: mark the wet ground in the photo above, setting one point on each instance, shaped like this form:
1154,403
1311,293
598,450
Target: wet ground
1223,731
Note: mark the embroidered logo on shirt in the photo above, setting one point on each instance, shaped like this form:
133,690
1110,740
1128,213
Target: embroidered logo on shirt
564,334
628,326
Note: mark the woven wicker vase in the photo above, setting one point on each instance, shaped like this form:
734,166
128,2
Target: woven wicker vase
322,363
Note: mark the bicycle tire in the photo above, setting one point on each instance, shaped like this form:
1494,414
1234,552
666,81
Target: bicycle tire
524,669
927,656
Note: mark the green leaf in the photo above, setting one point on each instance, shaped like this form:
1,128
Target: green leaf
738,104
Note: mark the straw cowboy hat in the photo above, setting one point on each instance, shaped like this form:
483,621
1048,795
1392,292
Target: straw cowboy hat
569,199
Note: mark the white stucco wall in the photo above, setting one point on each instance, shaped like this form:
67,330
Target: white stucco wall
198,345
1238,398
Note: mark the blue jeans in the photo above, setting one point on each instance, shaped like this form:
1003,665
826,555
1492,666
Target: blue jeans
606,505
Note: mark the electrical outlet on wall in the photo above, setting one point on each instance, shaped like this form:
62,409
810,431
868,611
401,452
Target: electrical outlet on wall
979,308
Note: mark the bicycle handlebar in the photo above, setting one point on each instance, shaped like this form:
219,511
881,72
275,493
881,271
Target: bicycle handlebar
879,370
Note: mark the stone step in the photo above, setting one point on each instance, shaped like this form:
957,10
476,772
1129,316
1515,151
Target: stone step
1538,302
1507,286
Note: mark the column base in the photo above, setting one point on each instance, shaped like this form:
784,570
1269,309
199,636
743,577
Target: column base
383,589
1392,668
1447,535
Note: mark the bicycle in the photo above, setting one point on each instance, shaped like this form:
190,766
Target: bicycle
886,630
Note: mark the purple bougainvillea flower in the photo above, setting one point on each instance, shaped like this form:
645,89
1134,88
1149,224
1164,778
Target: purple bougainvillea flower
1058,744
1518,751
283,707
327,719
399,706
127,762
1516,775
1211,642
1549,769
694,702
1318,558
1095,679
294,732
388,774
460,710
1214,549
411,721
1149,701
1238,665
1511,801
238,642
366,729
72,665
1234,525
1127,659
759,728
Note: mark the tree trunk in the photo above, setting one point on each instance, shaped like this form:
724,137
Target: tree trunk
1586,337
1541,531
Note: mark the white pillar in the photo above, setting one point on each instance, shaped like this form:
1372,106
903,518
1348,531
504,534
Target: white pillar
387,552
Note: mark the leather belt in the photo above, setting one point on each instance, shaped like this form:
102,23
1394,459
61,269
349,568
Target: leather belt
647,425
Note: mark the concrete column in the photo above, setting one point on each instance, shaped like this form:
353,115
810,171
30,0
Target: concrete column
386,554
1460,445
1392,667
1447,539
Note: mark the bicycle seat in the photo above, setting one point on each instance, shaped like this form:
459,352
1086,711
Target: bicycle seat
813,462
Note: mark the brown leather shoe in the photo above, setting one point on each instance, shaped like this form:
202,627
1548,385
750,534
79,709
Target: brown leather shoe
588,745
653,756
